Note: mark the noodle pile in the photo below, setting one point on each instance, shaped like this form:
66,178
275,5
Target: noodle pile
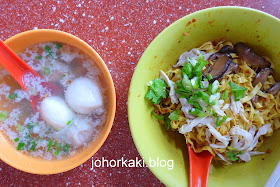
242,115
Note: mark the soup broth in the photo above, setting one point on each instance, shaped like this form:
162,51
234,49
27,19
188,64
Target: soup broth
30,132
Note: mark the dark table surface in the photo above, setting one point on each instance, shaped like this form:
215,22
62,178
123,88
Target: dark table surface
119,31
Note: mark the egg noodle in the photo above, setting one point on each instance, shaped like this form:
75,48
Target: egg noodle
247,122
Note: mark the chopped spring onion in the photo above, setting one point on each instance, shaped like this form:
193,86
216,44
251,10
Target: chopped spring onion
19,127
194,83
192,61
225,95
16,139
167,124
197,105
56,153
187,84
20,146
199,65
33,147
46,71
13,96
3,115
50,145
174,115
160,117
233,155
231,148
68,123
218,123
58,45
238,91
30,126
40,139
209,77
215,87
39,57
204,96
197,112
66,148
187,70
48,49
214,98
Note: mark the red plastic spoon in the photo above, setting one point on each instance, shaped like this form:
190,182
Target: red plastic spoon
199,167
18,69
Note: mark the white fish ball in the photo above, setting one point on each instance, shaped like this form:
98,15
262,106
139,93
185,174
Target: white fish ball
55,112
83,96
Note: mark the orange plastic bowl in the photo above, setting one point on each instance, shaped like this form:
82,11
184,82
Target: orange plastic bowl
24,162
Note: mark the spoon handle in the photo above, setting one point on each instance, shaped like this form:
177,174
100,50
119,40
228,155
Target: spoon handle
199,167
14,64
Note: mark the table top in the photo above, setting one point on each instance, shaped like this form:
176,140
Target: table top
119,31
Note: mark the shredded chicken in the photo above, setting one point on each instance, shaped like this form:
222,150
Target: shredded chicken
172,85
223,139
247,156
186,107
192,54
247,138
262,131
191,124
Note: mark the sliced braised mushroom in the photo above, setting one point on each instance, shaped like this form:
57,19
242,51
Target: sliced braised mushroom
274,89
250,57
231,68
220,66
226,49
262,76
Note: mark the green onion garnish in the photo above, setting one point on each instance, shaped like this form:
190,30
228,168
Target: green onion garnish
197,113
199,65
218,123
204,96
58,45
20,146
3,115
66,148
233,155
167,124
225,95
174,115
30,126
46,71
209,77
187,70
56,153
68,123
33,147
215,87
16,139
187,84
231,148
39,57
19,127
197,105
48,49
13,96
50,145
160,117
238,91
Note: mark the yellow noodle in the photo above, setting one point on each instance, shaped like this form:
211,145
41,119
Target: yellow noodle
266,110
